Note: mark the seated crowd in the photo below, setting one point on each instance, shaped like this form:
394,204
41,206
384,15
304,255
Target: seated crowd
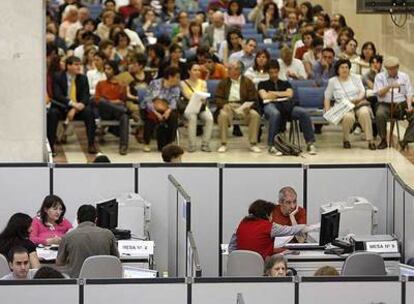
144,61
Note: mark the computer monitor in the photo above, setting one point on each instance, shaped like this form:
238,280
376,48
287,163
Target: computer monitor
329,227
107,213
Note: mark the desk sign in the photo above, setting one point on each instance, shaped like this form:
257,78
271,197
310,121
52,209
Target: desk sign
134,248
382,246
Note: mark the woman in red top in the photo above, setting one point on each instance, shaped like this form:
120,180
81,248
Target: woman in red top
256,232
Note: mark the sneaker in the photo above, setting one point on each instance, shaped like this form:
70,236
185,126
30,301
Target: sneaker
372,146
147,148
347,145
205,148
191,149
272,150
357,131
255,149
312,149
222,149
123,150
383,144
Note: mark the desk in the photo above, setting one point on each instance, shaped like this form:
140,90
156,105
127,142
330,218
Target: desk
308,261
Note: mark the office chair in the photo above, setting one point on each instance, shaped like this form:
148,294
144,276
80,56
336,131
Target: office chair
4,266
363,263
101,267
244,263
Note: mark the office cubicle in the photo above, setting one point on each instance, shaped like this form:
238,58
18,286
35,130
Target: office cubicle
409,290
39,291
221,194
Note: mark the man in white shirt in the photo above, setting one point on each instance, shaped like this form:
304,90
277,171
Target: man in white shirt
391,86
216,32
98,74
290,68
19,264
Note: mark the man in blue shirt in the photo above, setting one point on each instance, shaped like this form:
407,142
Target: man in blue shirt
323,69
247,55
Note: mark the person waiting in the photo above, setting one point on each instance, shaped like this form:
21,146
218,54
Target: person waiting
256,232
290,68
234,15
46,272
232,44
188,87
19,264
276,96
84,241
160,105
231,94
247,54
110,98
347,86
172,153
211,70
17,233
215,33
49,225
324,68
71,100
260,69
270,19
326,271
312,55
275,266
393,86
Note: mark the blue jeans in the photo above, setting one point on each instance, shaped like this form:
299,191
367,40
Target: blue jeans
275,119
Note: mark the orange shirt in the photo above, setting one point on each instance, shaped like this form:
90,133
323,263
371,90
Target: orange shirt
220,72
281,219
109,91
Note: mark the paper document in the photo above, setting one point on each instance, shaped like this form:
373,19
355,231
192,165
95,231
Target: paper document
337,112
245,105
46,254
281,241
196,101
280,99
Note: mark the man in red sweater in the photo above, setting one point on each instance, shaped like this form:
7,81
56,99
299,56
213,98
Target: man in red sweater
110,97
287,212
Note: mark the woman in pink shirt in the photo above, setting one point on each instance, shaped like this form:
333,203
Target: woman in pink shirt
49,225
234,15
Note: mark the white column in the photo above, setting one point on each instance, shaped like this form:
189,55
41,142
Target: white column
22,81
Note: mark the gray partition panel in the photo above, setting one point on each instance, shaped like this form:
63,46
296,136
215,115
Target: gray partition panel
249,291
151,291
409,225
390,200
242,185
22,189
332,183
14,292
78,185
399,210
202,184
409,292
352,291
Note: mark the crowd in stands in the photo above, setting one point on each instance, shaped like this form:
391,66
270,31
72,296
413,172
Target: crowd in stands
144,59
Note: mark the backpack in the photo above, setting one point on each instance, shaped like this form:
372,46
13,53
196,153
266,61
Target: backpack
286,148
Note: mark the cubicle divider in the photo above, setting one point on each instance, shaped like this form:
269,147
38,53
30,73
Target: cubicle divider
243,290
409,290
40,291
179,226
22,188
80,184
201,180
333,183
356,290
127,291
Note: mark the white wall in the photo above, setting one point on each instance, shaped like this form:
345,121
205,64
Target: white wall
22,80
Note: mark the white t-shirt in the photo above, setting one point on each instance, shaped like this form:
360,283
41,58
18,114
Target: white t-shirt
94,76
296,67
350,89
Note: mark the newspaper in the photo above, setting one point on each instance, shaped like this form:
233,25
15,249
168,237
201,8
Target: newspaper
335,114
196,101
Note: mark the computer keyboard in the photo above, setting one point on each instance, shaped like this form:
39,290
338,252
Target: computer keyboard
304,246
